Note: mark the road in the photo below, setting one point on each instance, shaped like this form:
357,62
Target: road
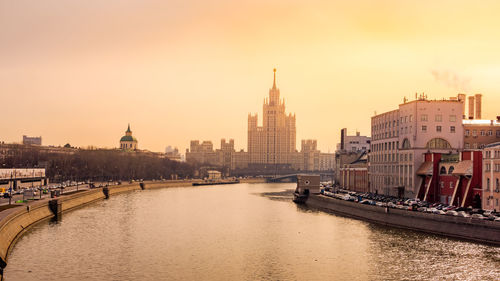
5,201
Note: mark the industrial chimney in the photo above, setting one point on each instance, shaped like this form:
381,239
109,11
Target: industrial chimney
461,98
471,107
478,105
343,134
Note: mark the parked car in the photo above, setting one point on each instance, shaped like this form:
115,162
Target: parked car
478,216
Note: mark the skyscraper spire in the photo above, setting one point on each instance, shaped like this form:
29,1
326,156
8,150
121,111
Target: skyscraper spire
274,80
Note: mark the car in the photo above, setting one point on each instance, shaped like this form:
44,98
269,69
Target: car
6,195
462,214
451,213
478,216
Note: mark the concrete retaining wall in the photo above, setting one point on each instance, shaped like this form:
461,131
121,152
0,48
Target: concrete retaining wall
458,227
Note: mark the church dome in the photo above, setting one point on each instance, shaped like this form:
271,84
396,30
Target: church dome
128,138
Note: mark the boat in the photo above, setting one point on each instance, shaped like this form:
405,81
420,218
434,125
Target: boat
215,182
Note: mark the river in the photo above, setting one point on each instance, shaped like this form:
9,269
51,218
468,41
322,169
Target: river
235,232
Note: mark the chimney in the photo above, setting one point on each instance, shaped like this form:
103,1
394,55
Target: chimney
498,118
461,98
478,106
471,107
342,138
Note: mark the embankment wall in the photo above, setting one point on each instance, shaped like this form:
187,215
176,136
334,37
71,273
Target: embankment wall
458,227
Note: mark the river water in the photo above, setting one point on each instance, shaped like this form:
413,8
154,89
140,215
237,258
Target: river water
235,232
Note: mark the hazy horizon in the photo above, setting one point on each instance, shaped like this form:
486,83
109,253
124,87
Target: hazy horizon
79,71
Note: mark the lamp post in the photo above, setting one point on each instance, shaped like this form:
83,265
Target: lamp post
10,189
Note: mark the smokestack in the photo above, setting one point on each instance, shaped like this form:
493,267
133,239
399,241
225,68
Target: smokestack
342,138
471,107
478,106
461,98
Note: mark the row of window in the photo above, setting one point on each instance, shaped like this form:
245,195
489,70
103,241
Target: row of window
488,154
437,118
391,157
490,202
488,167
483,133
438,129
489,187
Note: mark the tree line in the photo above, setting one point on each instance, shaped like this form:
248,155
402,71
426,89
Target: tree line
63,164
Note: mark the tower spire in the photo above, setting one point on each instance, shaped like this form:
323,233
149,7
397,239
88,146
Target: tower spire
128,129
274,80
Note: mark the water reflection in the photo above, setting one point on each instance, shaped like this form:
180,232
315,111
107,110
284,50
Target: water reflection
237,232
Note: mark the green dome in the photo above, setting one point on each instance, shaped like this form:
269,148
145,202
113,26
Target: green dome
128,138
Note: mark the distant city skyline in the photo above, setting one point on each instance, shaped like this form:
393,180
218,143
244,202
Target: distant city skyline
78,72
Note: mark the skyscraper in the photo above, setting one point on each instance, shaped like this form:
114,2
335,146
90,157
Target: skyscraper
274,142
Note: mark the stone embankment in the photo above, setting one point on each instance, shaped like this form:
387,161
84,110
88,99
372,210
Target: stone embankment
458,227
15,221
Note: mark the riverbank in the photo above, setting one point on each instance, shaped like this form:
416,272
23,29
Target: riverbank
457,227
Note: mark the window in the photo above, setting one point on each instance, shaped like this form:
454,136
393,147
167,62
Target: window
483,133
423,117
442,171
438,128
474,133
439,118
498,133
453,118
451,169
438,143
467,133
490,133
411,118
488,184
406,144
451,184
441,183
452,129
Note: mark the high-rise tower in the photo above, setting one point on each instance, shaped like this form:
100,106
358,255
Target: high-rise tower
275,141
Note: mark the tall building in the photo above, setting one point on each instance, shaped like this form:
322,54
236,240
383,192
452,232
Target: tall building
273,143
402,136
128,142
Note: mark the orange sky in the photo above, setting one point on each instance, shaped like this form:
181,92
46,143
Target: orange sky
79,71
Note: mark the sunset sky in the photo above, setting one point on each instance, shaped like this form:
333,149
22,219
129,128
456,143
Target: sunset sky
79,71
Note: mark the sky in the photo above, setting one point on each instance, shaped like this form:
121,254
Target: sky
78,72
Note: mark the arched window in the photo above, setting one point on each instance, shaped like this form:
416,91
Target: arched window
443,171
406,144
450,170
438,143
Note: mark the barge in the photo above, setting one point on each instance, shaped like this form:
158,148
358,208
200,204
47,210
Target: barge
215,182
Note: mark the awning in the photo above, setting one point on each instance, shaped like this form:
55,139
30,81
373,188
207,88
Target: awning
425,169
463,168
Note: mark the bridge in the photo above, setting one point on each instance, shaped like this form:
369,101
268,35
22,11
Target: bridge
293,177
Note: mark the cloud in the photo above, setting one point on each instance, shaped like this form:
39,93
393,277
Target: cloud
452,80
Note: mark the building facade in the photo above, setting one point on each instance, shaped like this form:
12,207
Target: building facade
453,179
401,137
273,143
478,132
491,177
128,142
32,140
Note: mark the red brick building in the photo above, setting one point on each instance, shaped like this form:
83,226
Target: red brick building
453,179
